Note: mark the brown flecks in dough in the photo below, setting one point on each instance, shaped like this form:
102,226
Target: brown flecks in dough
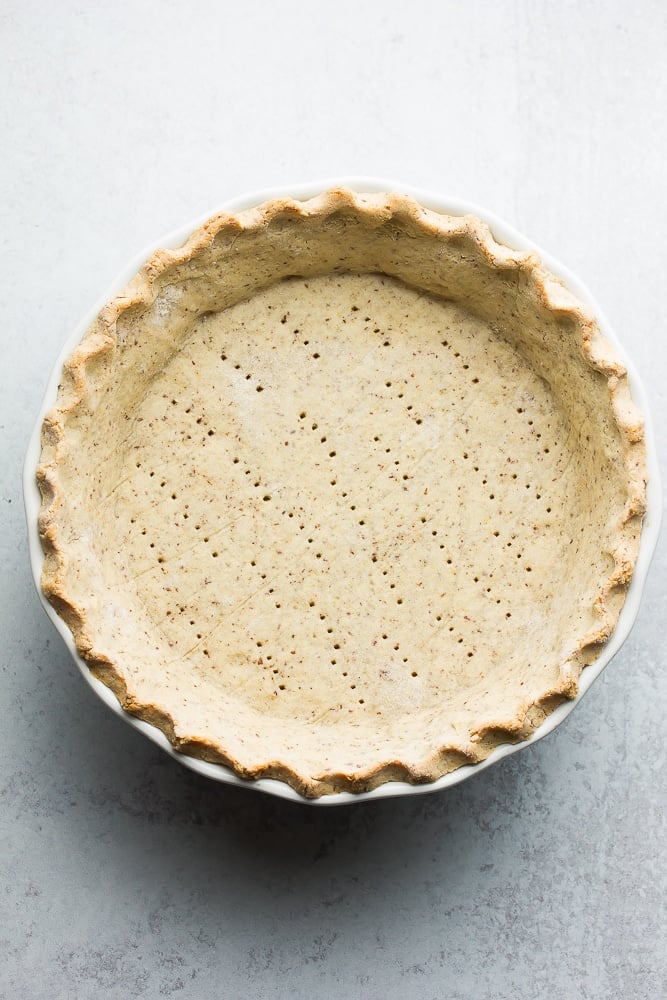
442,458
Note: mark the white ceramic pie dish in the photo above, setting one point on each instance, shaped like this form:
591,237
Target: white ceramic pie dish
503,234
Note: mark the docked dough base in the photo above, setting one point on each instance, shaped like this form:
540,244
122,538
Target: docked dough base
328,515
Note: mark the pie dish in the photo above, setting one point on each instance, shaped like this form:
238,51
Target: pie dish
342,492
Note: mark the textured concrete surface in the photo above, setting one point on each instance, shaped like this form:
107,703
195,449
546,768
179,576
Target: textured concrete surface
122,874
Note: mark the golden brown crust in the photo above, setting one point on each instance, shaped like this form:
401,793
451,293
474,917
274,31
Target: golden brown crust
84,376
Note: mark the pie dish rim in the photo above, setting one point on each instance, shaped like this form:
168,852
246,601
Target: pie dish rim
504,234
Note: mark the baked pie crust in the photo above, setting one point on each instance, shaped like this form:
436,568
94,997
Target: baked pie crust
342,492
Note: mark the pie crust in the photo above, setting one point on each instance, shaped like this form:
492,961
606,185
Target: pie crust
342,492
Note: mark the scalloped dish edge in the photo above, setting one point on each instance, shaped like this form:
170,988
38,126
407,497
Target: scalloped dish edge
141,291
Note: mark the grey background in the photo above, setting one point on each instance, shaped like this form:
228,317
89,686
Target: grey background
122,874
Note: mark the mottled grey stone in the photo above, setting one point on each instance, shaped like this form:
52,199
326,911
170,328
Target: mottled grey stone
123,874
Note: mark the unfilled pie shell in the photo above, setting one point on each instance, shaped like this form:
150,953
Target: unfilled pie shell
342,492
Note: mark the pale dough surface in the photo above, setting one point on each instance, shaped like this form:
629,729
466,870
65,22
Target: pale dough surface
340,527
